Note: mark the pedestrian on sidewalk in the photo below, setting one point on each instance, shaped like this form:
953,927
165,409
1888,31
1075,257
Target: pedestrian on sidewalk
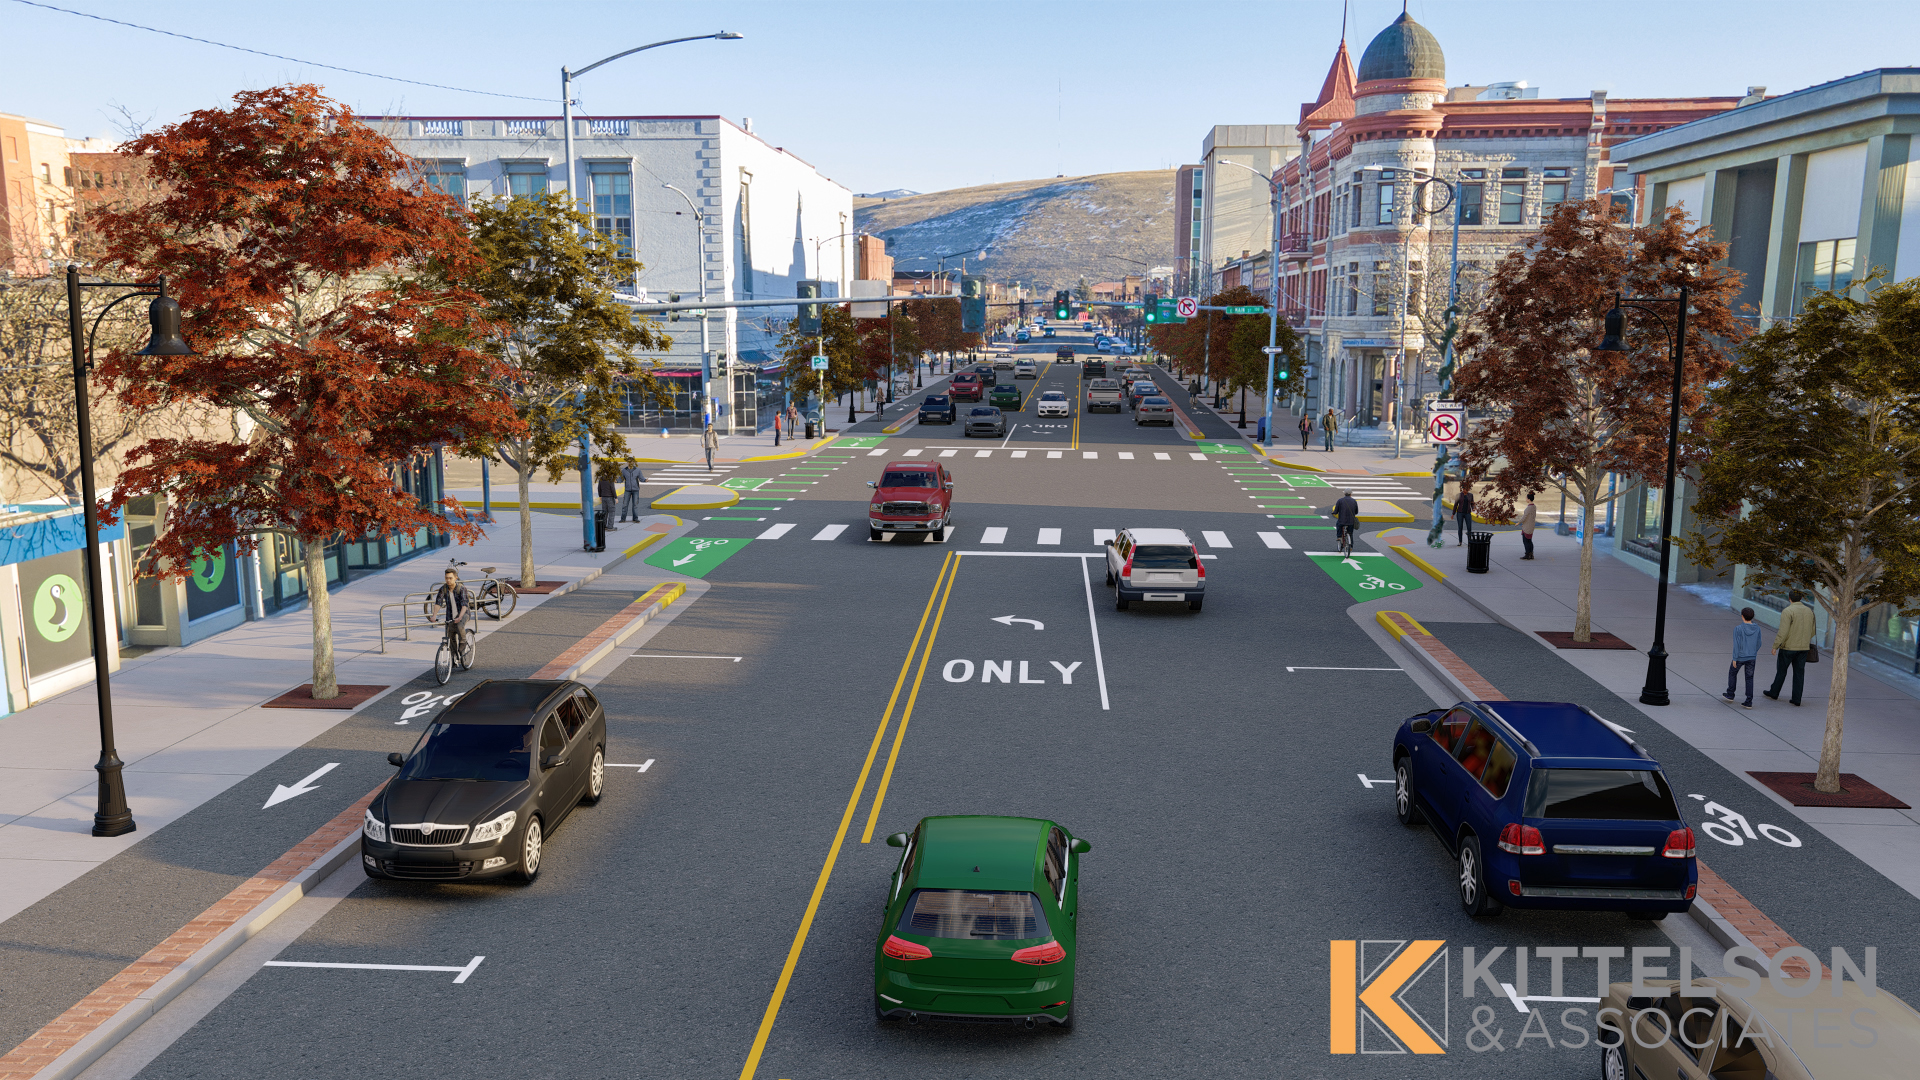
1791,644
709,441
607,497
1463,512
1306,431
1329,424
1528,518
777,418
630,480
1746,650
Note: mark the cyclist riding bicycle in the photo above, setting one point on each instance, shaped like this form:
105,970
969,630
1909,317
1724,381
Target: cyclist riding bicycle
1346,515
448,604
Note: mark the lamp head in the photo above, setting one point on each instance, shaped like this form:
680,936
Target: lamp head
728,35
1612,339
164,316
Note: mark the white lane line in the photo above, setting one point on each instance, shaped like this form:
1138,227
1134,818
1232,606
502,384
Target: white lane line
1019,453
1053,453
916,452
775,532
1101,536
1163,457
1099,667
1125,456
1049,536
1216,539
1089,455
730,519
829,532
880,452
1196,457
995,535
1346,669
643,766
983,453
948,453
1275,540
464,971
1349,555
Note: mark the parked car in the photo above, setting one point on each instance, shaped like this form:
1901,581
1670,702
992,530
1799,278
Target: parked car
911,497
1025,369
1103,395
937,409
1053,403
985,420
980,923
1006,396
1545,805
488,781
966,386
1155,565
1093,369
1153,410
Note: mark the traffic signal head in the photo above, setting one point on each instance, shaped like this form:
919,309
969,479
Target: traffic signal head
1150,309
673,298
808,318
1063,305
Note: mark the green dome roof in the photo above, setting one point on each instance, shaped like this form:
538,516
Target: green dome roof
1404,50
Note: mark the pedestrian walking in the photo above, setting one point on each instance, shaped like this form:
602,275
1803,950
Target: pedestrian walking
777,418
1329,424
1746,650
1528,518
1792,646
709,441
1463,512
1306,431
630,480
607,497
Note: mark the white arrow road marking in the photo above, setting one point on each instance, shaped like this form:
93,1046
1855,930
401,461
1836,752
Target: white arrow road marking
643,766
462,977
281,792
686,559
1370,783
1355,563
1009,620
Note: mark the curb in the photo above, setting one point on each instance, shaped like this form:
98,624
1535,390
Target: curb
1437,659
592,651
1407,554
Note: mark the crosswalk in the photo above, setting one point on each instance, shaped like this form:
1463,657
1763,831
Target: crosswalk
1271,538
1049,455
1379,487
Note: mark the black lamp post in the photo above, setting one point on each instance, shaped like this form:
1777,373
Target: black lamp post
1655,690
112,816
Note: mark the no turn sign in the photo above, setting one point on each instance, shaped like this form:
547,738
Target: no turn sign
1447,423
1188,307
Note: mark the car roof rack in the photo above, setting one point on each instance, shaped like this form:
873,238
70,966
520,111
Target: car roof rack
1511,730
1626,734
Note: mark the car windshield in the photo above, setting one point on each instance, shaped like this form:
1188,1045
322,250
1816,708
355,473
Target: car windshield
984,412
935,400
471,752
1053,395
1154,401
1163,556
981,916
907,478
1616,794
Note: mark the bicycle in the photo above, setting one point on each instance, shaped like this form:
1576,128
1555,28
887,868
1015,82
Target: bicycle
456,650
494,597
1345,535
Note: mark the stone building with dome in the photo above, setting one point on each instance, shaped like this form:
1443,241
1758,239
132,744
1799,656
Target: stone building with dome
1366,251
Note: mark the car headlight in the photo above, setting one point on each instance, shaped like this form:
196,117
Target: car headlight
493,830
375,829
875,507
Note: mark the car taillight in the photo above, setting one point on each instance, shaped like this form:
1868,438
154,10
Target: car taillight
1126,569
1050,953
1513,886
1691,889
1679,844
902,949
1198,565
1522,840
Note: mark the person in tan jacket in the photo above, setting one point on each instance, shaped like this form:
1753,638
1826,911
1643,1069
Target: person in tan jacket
1528,518
1790,645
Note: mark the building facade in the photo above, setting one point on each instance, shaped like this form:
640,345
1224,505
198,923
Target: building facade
1189,199
1366,248
698,199
1236,208
40,188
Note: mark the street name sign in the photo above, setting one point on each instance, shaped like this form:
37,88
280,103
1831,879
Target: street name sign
1247,309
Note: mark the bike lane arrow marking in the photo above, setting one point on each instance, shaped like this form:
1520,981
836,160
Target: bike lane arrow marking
1366,575
281,792
696,556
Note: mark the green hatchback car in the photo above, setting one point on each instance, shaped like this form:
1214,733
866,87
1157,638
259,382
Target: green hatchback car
1006,397
980,923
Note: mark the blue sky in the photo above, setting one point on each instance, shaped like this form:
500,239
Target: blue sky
912,94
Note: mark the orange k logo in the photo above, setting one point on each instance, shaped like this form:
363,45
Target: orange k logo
1346,999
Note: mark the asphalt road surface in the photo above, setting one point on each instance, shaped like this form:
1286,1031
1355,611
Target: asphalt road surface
1216,760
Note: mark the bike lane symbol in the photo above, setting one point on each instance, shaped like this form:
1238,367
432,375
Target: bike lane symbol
1366,575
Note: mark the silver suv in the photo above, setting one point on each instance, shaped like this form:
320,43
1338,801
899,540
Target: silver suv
1155,565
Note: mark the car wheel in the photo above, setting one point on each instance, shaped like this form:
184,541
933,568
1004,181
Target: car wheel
1403,807
1109,573
1475,900
1119,600
1613,1064
874,535
532,848
596,778
1194,605
879,1011
1066,1023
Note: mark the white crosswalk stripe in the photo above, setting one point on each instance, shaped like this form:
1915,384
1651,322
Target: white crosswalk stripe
1216,539
1101,536
776,532
1053,454
1274,540
983,453
881,452
916,451
829,532
948,453
1124,456
1196,457
1049,536
1163,457
995,535
1019,453
1089,454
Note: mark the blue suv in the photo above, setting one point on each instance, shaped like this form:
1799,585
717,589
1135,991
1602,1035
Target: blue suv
936,409
1545,805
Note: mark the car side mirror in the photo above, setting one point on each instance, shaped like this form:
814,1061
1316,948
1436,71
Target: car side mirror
553,761
396,759
948,485
898,839
1109,541
1079,847
873,484
1421,726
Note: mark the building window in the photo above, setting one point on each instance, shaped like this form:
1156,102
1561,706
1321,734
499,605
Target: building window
1824,265
1470,197
1513,174
1385,203
449,178
744,237
1513,199
1353,200
1416,287
526,179
46,173
613,204
1353,288
1382,287
1553,191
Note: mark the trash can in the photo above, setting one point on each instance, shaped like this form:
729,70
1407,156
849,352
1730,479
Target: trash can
1479,552
810,433
599,529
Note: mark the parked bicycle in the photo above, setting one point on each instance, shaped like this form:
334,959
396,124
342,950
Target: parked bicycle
493,597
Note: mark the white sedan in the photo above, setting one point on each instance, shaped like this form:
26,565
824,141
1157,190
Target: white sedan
1053,403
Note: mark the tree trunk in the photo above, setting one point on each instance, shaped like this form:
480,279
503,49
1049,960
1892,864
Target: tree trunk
1583,605
527,580
1828,778
320,604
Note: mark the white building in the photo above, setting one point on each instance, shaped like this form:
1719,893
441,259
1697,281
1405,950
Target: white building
766,220
1235,211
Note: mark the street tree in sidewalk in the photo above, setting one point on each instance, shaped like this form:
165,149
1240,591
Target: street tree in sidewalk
1562,415
568,346
1811,475
839,342
320,286
937,323
888,344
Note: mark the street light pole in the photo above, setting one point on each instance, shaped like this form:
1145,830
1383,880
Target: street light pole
700,268
111,816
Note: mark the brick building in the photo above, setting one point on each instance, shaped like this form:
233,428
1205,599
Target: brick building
41,182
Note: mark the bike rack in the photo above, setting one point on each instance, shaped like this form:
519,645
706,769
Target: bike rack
413,613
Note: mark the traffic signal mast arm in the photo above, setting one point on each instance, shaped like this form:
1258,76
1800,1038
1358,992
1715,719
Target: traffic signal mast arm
791,301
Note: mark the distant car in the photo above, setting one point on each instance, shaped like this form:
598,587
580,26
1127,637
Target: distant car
1048,332
1153,410
1155,565
1139,389
1023,337
492,776
1103,395
1545,805
1103,345
985,420
966,386
1003,362
1025,369
1053,403
1006,396
937,409
1063,354
1093,369
911,496
988,376
980,923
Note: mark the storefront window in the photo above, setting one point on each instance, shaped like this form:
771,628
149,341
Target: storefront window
1890,636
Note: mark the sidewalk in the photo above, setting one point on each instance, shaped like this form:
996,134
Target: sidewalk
189,722
1414,460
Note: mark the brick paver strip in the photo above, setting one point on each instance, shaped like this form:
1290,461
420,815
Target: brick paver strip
1416,635
579,649
62,1033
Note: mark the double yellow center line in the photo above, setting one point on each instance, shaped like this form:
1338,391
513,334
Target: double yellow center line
929,629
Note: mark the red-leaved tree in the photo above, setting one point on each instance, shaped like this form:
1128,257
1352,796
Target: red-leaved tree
1563,416
318,282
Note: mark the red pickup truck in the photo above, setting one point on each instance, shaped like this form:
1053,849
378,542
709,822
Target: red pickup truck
911,496
966,386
